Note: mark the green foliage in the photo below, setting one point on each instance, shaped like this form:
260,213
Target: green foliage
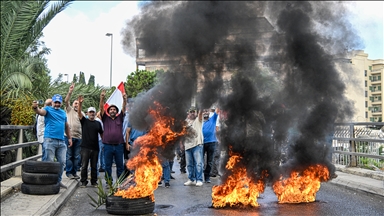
82,78
102,194
140,81
22,23
91,81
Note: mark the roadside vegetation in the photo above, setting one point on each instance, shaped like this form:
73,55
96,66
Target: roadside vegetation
25,75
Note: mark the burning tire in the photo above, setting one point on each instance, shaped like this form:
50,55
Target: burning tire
40,189
121,206
42,167
40,178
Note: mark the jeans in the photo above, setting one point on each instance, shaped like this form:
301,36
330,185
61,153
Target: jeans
209,148
86,156
101,155
194,161
114,153
166,171
43,154
73,156
55,148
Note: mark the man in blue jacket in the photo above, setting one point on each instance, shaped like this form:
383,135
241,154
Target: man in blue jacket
210,140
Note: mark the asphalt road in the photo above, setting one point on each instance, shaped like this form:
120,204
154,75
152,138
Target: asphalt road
189,200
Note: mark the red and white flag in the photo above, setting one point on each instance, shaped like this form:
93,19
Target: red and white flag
116,98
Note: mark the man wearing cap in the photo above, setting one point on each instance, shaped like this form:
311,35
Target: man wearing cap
90,143
73,152
194,148
113,136
55,125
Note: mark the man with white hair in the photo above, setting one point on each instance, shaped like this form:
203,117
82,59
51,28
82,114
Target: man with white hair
90,143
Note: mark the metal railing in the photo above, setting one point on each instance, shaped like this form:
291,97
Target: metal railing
17,165
359,144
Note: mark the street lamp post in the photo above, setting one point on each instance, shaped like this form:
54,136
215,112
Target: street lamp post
66,76
110,71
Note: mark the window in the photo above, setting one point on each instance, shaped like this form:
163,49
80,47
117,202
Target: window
365,72
378,77
366,103
370,68
366,83
366,93
366,114
141,53
379,88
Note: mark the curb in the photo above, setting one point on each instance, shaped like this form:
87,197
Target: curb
378,175
51,208
358,187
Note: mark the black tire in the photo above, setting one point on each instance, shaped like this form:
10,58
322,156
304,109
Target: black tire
120,206
40,189
42,167
40,178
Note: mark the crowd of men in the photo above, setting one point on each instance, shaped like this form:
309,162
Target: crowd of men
79,140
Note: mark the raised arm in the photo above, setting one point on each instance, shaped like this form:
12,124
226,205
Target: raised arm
101,105
68,97
124,103
79,113
37,110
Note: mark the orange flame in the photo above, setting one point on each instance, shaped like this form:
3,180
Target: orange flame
301,188
146,164
238,189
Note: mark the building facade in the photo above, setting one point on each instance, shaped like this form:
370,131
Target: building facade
369,104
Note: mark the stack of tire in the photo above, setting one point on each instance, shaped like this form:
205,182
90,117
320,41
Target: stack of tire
40,178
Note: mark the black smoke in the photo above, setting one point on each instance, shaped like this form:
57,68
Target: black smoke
268,65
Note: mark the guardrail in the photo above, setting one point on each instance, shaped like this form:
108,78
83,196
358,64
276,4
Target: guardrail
17,165
358,144
354,144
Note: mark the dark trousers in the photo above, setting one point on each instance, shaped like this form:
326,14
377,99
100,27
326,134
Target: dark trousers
209,148
183,164
86,156
216,160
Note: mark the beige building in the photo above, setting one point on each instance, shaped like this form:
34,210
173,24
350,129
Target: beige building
366,91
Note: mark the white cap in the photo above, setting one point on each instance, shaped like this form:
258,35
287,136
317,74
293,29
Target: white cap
90,109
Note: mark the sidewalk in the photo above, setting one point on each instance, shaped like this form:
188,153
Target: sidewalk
369,181
13,202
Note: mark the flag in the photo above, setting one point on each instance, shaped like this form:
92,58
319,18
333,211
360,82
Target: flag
116,98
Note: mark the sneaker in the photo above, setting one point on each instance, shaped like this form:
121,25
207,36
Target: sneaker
70,176
76,176
199,184
189,182
84,184
172,171
213,176
172,177
208,181
63,186
101,170
167,185
95,185
160,183
183,171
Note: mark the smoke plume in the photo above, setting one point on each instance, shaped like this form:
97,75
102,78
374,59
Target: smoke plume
269,66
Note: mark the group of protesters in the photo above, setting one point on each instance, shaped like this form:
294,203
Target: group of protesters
78,140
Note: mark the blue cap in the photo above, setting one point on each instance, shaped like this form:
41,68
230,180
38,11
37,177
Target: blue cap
57,98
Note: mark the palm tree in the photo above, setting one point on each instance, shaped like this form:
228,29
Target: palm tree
22,23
